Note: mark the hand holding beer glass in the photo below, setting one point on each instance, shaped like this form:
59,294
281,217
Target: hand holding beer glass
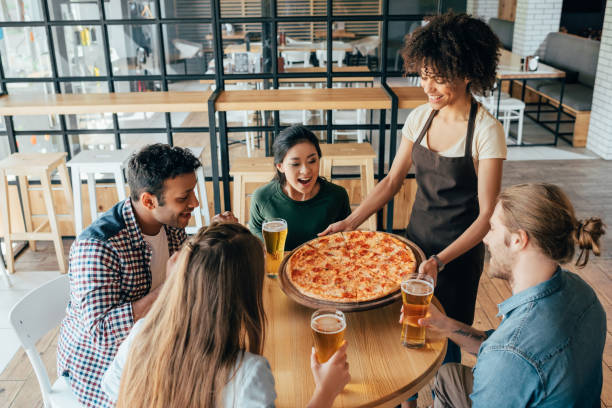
416,296
274,232
328,326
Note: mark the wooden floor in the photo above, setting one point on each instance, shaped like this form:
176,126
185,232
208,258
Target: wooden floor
587,183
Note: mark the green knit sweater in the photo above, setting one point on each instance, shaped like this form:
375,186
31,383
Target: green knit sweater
305,219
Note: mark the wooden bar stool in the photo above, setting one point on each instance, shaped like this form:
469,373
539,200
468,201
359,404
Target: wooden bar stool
352,154
248,170
90,162
200,192
37,165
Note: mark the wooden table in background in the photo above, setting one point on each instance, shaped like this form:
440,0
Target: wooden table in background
336,34
256,48
383,372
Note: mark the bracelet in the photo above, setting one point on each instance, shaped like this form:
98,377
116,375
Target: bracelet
438,262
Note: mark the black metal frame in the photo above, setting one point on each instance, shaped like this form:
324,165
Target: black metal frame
269,21
528,113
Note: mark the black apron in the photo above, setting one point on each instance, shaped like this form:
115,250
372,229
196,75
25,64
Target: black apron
446,204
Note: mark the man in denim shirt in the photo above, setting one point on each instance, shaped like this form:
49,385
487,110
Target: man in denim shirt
547,351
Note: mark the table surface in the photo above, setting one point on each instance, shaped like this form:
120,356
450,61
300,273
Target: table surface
351,68
73,104
304,98
510,68
383,372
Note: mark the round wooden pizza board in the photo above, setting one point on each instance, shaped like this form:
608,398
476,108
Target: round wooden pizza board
312,303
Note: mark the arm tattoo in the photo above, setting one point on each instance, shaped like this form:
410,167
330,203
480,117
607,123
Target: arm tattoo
470,334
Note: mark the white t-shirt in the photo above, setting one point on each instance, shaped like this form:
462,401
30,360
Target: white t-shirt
489,141
160,254
252,386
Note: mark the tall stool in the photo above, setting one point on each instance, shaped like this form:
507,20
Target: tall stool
200,191
352,154
37,165
248,170
90,162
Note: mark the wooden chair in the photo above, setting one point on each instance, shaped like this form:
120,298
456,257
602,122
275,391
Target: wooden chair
37,165
352,154
248,170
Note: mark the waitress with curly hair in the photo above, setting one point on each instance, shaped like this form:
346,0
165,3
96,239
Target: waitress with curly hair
457,149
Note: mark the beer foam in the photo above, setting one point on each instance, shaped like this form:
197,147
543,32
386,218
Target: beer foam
417,287
326,323
274,226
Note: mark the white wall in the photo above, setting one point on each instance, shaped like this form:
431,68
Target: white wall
600,126
534,20
484,9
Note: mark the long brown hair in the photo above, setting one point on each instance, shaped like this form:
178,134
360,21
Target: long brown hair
545,213
209,311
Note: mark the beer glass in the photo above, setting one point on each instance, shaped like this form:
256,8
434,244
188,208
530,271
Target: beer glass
274,232
416,295
328,326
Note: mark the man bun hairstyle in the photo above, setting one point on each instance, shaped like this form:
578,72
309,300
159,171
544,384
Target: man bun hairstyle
454,46
154,164
546,214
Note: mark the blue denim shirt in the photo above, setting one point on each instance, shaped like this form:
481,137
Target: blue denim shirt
547,351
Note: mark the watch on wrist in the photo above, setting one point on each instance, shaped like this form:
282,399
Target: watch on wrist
438,262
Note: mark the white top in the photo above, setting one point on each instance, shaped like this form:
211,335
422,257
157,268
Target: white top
160,254
489,141
252,386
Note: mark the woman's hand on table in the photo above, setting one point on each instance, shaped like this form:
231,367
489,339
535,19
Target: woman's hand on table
330,377
336,227
226,216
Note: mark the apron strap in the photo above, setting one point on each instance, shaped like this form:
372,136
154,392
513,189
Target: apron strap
470,130
426,127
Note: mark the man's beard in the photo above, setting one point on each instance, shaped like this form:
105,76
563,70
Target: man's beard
500,267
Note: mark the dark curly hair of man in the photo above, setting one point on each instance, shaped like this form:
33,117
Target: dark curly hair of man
156,163
454,46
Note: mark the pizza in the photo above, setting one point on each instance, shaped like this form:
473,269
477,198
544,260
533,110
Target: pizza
354,266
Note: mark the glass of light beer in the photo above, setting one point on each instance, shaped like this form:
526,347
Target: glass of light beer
274,232
328,326
416,295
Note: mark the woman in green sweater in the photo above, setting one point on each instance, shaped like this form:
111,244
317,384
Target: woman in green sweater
297,194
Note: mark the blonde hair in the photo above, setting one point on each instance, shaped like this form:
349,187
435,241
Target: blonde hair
546,214
209,311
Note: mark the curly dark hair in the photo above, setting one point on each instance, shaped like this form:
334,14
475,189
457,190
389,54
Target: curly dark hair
454,46
154,164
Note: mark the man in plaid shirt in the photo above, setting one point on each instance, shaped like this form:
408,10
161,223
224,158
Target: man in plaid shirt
118,264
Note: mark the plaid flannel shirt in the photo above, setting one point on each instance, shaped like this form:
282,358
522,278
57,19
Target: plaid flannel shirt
109,267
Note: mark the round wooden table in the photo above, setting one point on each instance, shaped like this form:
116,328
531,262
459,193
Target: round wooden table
383,372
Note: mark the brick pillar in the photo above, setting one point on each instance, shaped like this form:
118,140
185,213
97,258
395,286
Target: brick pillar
534,20
484,9
600,138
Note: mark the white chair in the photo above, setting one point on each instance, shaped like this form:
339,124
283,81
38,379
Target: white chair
296,58
509,109
41,310
90,162
337,55
241,116
349,117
